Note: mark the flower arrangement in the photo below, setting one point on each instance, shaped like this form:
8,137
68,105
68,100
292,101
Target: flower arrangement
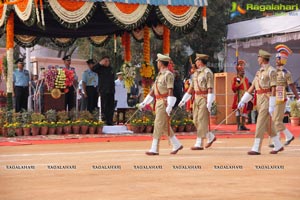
98,123
52,125
147,72
60,124
14,125
187,121
58,78
84,122
175,122
148,121
137,122
128,74
26,125
36,124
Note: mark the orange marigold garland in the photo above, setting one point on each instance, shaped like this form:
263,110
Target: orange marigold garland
10,31
146,44
204,18
126,44
147,71
166,41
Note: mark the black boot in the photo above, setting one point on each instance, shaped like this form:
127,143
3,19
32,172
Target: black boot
243,127
238,123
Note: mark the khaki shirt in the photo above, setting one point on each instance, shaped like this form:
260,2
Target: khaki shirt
284,78
265,78
202,79
163,82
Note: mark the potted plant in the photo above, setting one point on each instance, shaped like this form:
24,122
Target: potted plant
188,124
63,118
85,117
36,123
76,127
295,113
59,127
44,127
99,127
26,120
92,127
174,124
52,128
136,124
84,126
26,129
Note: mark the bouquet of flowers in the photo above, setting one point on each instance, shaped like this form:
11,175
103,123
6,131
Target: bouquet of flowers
58,78
129,74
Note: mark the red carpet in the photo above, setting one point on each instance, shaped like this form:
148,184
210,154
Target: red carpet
224,131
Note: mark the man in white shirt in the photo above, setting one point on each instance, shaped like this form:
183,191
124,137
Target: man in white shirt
121,92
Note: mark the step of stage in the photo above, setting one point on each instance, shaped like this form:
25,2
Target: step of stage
117,129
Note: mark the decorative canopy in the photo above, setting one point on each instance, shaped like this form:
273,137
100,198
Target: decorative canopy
83,18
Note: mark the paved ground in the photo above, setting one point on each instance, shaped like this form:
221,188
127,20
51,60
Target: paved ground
171,178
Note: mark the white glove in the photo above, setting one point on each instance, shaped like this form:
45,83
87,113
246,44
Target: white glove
146,101
210,99
272,103
245,99
184,99
298,101
171,102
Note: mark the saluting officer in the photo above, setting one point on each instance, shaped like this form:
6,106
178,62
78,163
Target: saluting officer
90,86
284,79
70,94
20,84
264,83
163,92
202,84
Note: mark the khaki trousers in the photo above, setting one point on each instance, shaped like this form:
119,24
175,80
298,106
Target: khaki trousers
161,123
200,116
264,118
278,116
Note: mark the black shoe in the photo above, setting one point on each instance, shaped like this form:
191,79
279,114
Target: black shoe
271,145
243,128
289,141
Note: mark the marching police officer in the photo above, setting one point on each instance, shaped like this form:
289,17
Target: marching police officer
264,83
165,101
20,84
202,84
284,79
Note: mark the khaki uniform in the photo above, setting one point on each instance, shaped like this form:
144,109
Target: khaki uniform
164,81
265,78
201,82
284,78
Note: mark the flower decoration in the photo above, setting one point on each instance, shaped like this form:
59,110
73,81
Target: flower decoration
58,78
69,77
187,121
128,74
147,72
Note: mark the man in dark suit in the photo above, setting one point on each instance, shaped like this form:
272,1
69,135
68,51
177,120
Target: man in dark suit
106,88
70,94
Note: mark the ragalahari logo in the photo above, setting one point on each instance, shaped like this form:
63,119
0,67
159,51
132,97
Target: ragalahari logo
236,10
